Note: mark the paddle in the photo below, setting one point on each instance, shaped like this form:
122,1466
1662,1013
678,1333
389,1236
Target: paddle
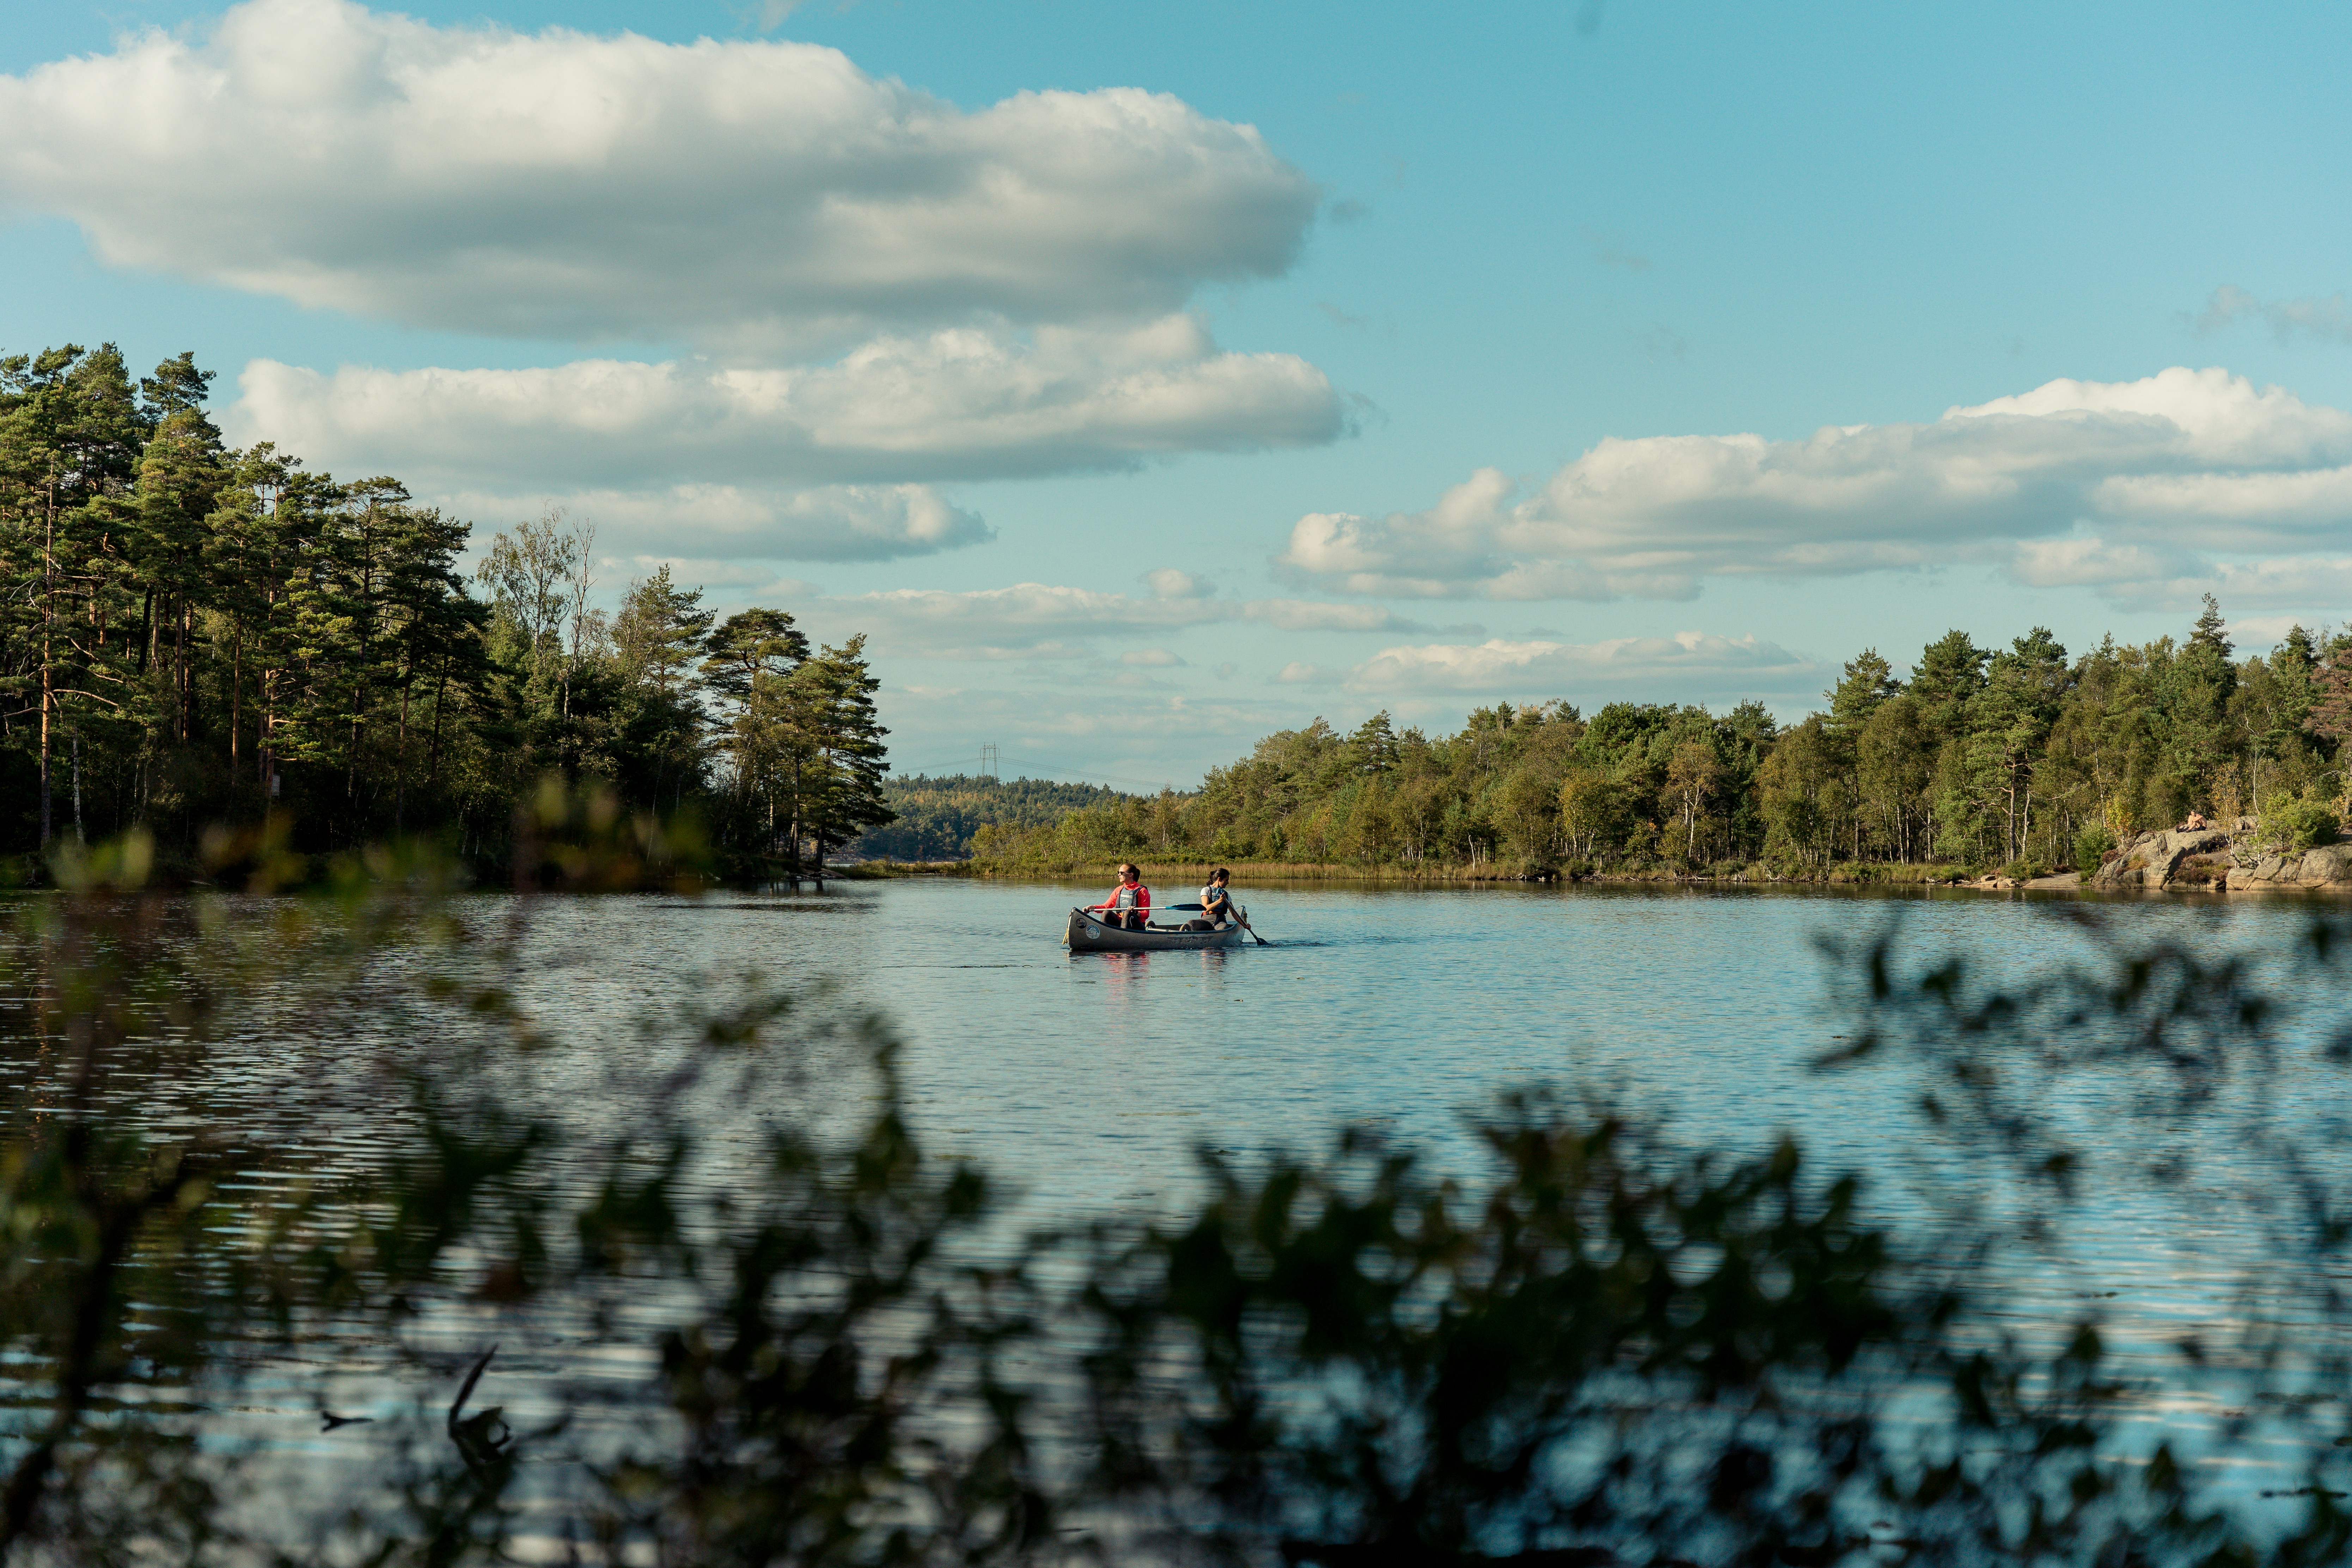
1246,925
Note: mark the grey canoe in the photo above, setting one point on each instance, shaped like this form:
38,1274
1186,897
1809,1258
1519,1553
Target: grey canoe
1087,934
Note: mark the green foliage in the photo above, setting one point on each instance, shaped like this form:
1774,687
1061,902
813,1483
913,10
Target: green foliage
2299,821
190,635
937,818
1984,757
1594,1346
2093,844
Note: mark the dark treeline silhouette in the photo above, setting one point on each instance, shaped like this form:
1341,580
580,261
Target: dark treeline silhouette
191,636
2024,757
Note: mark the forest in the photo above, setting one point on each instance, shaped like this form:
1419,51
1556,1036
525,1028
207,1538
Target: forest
194,635
937,817
2024,758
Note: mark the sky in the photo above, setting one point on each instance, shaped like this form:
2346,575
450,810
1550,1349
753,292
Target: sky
1143,379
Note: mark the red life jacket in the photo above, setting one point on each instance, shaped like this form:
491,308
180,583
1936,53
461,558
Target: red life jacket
1142,899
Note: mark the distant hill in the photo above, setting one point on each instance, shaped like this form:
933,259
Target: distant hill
936,816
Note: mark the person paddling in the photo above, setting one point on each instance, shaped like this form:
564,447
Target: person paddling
1130,902
1216,902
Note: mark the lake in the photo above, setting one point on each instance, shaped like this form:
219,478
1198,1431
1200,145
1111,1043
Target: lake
1089,1080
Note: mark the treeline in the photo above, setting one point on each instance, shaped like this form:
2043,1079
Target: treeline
937,818
193,635
2023,757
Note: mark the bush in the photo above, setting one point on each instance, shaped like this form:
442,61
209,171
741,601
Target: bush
2092,846
2296,823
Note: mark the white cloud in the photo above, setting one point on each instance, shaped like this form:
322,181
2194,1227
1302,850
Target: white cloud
2144,579
723,522
1297,673
2091,562
1008,622
2177,458
1167,583
1305,615
964,402
1690,665
754,194
1150,658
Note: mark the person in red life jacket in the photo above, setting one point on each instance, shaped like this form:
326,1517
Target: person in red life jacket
1130,903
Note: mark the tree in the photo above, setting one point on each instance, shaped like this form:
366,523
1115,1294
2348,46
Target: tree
747,646
1951,672
2198,690
1690,778
1373,746
1868,681
659,633
1895,761
1529,809
827,743
70,434
2012,717
1588,806
529,573
1792,783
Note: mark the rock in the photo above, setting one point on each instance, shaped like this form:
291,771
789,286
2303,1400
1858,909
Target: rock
2153,860
2330,866
2066,881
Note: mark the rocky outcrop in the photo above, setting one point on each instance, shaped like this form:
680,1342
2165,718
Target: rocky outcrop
2179,856
2185,859
2330,866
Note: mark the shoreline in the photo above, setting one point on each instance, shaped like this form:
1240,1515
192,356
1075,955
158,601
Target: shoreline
1174,872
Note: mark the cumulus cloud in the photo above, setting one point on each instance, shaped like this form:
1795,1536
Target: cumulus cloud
753,194
1687,663
2180,458
1015,622
724,522
960,403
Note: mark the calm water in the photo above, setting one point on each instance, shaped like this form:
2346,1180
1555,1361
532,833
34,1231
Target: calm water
1088,1080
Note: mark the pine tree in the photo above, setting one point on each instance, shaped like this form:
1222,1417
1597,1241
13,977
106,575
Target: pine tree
836,744
1868,681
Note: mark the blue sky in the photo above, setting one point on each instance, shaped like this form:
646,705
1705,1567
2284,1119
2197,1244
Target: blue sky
1429,392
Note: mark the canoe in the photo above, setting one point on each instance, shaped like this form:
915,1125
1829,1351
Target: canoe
1087,934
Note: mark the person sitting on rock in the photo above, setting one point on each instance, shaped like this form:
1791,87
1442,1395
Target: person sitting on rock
2195,823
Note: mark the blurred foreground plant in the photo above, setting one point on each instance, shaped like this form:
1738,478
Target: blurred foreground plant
1598,1347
